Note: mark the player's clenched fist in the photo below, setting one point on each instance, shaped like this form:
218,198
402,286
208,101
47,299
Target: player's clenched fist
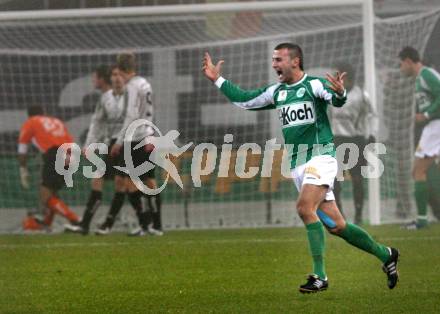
210,70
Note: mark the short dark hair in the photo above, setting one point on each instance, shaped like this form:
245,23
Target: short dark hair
348,68
126,62
35,110
104,72
409,53
113,67
294,50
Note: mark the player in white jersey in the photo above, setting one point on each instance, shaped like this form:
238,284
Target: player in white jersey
427,96
139,105
348,125
105,125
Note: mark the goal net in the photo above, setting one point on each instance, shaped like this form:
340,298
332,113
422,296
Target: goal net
49,61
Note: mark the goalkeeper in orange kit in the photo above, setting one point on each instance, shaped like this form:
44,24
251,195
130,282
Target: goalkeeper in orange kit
47,134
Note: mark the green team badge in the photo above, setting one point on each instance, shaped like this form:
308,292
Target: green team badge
300,92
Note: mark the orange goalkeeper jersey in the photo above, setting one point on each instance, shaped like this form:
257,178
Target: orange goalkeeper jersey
45,132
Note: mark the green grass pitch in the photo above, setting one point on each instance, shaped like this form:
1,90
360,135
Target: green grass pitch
218,271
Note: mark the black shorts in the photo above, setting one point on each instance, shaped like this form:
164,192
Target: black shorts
111,162
360,142
138,156
49,177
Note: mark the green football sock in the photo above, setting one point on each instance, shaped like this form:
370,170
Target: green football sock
316,236
359,238
421,195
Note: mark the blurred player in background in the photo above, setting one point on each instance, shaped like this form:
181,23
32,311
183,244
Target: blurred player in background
427,95
348,126
432,176
105,125
47,134
138,105
302,103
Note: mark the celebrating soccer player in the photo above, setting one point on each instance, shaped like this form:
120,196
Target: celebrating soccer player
427,96
301,101
138,105
105,125
48,134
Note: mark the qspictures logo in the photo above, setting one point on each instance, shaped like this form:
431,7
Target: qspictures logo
205,157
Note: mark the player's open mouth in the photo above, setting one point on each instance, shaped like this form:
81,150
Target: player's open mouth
279,73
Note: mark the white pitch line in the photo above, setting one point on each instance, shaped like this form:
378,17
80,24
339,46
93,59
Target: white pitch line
61,245
185,242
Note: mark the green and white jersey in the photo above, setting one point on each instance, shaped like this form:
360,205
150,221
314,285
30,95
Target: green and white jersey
302,110
428,93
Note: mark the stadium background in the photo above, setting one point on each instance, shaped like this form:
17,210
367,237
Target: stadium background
25,79
245,270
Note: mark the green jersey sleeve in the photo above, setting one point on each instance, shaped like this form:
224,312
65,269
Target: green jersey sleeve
432,80
257,99
321,90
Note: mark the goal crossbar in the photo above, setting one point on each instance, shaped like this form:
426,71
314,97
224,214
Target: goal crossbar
173,9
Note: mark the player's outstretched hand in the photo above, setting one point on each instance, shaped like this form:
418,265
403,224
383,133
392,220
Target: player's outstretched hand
337,82
210,70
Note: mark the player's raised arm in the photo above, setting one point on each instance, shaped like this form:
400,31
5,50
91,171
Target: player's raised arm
337,82
331,89
336,87
211,71
248,99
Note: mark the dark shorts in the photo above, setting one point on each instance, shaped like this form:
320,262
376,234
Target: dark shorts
138,156
111,162
360,142
50,178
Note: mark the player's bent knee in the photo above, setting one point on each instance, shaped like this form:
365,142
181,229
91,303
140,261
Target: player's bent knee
337,230
304,209
97,184
120,184
419,174
338,227
151,183
45,195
